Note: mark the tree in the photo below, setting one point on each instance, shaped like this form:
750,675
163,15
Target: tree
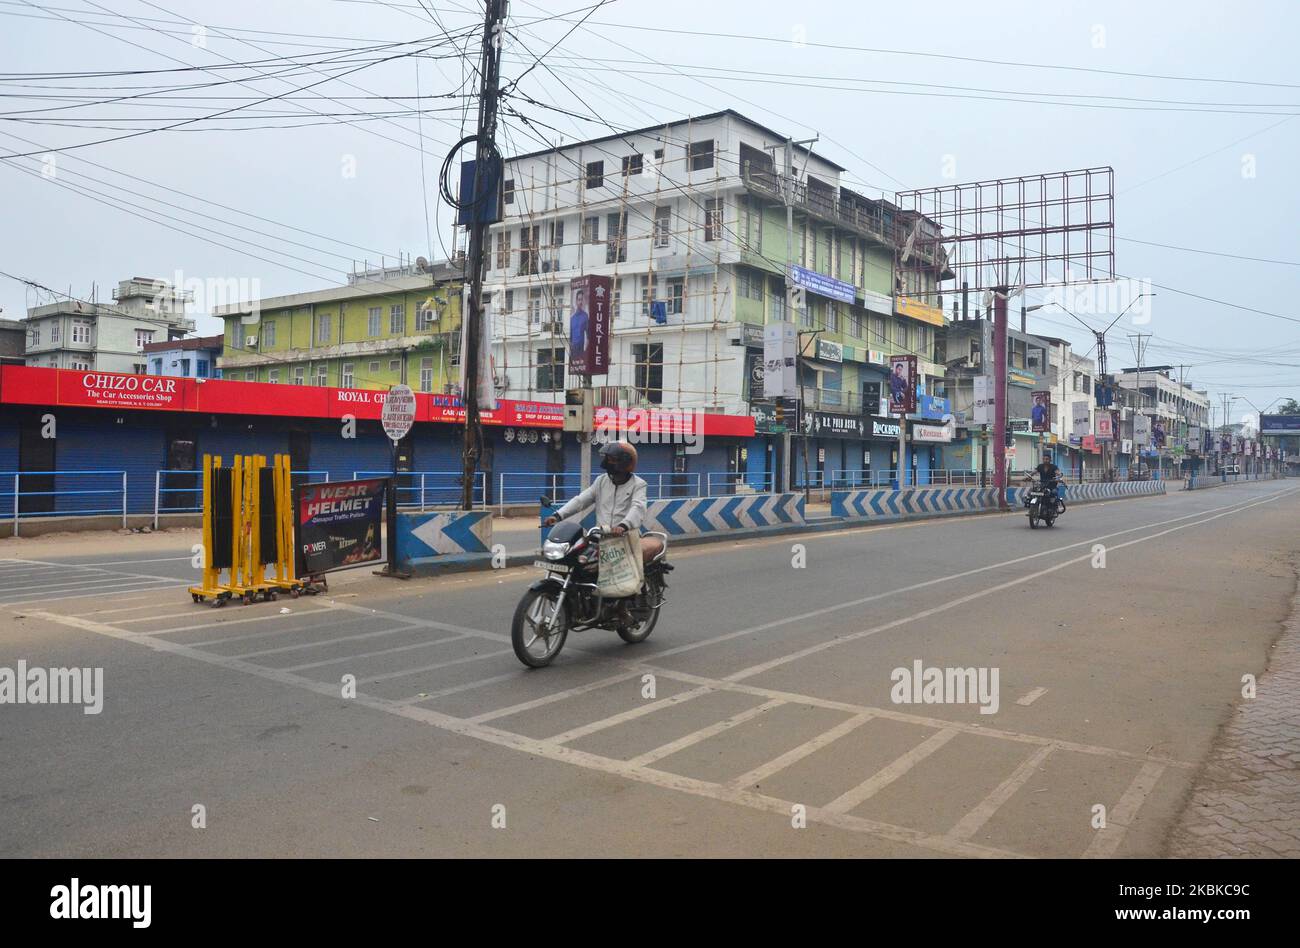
1289,407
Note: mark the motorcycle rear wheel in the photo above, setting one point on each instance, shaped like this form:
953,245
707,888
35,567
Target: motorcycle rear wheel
641,632
525,630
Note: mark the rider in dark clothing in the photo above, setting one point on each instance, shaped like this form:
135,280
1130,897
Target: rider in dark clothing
1049,475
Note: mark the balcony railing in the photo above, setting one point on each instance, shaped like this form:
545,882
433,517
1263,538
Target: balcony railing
824,202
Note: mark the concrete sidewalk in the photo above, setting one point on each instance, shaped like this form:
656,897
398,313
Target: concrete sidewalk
1246,800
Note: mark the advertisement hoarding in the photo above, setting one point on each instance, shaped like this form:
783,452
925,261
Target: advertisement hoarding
780,340
902,384
1081,423
985,400
1279,424
338,524
1041,414
589,325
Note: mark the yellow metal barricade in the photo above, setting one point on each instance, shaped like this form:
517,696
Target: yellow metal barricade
233,538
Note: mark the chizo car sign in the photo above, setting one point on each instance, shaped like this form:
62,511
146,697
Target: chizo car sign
123,391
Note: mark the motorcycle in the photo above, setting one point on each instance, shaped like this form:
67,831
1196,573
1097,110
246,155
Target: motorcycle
566,599
1043,504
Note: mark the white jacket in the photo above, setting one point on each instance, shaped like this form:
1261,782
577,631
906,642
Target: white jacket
615,503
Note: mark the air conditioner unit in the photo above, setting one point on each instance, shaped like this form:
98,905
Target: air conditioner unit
250,341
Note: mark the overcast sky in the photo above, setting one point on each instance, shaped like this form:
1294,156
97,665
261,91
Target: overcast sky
1205,156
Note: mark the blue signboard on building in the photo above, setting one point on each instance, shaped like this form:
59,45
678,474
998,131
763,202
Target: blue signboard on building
928,406
823,285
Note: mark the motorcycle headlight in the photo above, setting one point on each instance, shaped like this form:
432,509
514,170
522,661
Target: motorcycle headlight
555,551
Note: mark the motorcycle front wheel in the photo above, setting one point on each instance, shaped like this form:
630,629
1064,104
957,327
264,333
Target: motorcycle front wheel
532,646
1033,521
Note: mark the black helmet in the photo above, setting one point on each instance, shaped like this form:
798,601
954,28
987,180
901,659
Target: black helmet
618,457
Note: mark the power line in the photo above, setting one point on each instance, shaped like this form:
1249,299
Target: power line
883,51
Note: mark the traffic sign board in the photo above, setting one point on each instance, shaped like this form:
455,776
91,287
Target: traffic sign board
399,412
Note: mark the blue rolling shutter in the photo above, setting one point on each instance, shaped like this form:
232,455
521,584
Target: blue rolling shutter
133,446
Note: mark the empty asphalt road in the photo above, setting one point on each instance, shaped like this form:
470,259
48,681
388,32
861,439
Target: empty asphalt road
764,717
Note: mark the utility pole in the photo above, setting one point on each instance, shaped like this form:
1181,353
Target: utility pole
788,196
1000,384
485,162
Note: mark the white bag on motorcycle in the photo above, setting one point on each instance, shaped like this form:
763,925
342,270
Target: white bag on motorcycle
620,572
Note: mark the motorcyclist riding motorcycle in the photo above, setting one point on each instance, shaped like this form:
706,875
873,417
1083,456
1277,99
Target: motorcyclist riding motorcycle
1049,475
618,496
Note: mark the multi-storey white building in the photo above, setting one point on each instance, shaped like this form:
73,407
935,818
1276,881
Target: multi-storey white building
689,221
75,335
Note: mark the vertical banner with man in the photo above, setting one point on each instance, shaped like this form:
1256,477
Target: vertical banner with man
1041,414
589,324
902,385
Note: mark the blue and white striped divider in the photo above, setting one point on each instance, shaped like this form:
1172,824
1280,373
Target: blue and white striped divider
1082,493
698,516
424,537
884,503
888,504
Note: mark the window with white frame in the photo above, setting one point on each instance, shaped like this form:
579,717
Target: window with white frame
713,219
268,334
84,366
322,375
347,379
591,230
503,249
323,326
299,374
556,231
54,331
273,376
615,238
397,319
528,240
394,365
373,367
557,303
81,331
663,225
426,375
676,295
143,337
374,320
34,335
535,305
236,334
648,286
